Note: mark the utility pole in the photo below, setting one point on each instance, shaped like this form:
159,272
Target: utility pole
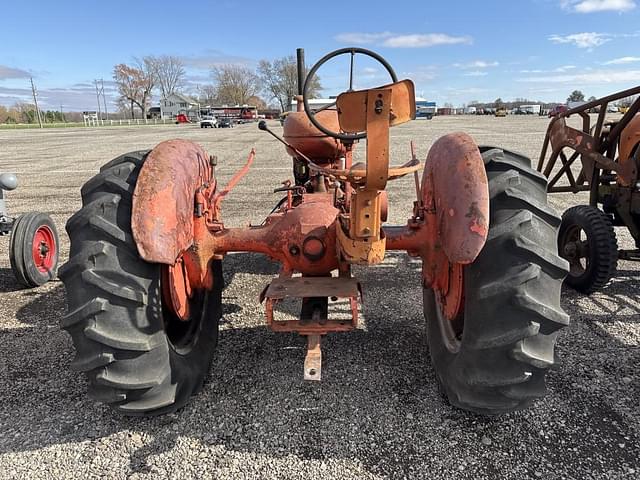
104,99
98,98
62,114
35,100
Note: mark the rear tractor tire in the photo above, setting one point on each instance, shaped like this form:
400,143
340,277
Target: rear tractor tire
139,357
587,241
492,358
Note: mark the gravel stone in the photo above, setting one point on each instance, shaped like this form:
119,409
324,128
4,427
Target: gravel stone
376,414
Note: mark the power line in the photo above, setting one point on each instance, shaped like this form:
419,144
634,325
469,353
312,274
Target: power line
104,100
98,98
35,100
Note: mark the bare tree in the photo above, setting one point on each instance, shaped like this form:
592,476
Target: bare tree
280,80
207,94
135,84
234,84
169,72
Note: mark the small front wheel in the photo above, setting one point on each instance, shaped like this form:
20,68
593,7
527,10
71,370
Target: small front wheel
33,249
588,242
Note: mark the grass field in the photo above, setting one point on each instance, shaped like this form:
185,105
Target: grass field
377,412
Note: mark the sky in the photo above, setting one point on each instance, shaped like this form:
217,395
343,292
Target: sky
454,51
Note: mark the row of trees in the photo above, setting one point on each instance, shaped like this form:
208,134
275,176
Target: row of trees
232,84
26,113
575,96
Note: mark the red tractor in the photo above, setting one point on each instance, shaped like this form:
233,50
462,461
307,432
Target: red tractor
144,278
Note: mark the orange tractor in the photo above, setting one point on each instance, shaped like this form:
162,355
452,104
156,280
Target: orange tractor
607,157
144,278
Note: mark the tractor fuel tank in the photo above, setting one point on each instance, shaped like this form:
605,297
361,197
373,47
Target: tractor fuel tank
304,136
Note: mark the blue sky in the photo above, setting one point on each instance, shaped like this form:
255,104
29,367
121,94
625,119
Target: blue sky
455,51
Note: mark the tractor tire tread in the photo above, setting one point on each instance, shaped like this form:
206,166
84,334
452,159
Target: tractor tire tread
512,298
606,246
114,315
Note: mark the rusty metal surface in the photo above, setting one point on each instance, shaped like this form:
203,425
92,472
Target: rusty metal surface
306,287
313,359
305,137
163,199
629,139
594,147
283,235
366,214
367,251
353,106
219,196
455,186
176,289
379,106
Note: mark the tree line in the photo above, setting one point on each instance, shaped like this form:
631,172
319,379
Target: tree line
271,83
26,113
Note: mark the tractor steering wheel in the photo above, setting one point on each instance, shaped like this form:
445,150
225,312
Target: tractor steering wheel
349,137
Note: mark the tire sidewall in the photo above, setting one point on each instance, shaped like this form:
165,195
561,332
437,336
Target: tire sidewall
21,243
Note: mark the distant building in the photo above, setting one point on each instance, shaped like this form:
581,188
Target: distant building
314,103
177,103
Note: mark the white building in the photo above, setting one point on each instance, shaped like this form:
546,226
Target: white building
177,103
314,103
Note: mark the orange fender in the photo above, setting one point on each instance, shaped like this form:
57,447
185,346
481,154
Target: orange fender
455,188
164,199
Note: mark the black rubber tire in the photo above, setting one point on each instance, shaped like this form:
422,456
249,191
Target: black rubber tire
512,310
20,249
116,314
603,248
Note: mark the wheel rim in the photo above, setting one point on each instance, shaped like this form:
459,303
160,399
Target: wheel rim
44,249
183,307
450,307
574,247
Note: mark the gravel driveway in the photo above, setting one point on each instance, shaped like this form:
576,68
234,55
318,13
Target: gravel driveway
376,414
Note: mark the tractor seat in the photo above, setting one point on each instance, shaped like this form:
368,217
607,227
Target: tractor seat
352,106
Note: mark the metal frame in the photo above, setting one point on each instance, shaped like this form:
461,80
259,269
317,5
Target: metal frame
602,174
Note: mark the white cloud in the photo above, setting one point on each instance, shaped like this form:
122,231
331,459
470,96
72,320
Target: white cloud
622,61
564,68
414,40
561,69
476,73
582,40
590,6
476,64
595,77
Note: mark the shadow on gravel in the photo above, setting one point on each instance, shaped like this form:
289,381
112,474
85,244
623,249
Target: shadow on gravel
8,282
378,403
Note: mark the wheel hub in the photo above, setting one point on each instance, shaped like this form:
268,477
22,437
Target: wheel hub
176,289
43,249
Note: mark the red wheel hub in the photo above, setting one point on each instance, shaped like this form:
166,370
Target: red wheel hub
177,289
450,296
44,250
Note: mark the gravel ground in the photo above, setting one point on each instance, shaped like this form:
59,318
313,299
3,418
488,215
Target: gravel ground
376,414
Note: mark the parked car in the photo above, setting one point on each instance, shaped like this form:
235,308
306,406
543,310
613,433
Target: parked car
225,123
557,110
208,121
